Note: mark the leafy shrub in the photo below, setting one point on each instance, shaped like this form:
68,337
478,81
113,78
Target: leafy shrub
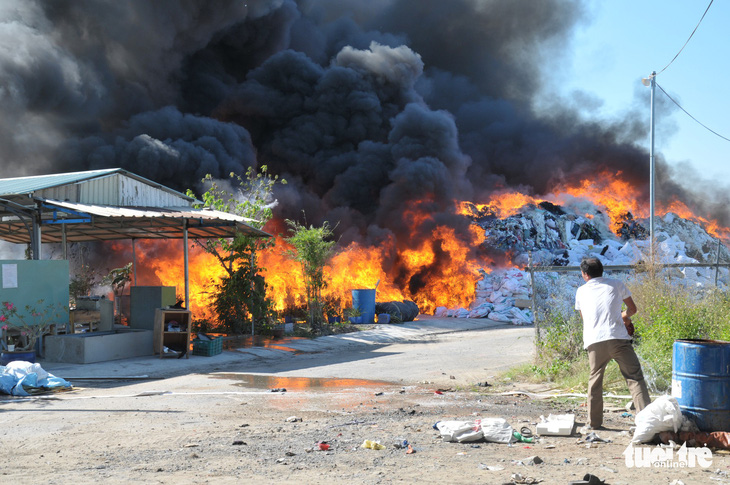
669,312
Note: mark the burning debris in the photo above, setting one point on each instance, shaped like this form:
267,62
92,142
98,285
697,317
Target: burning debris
380,124
558,236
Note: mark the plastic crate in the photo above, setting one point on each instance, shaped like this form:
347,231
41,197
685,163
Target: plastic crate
208,348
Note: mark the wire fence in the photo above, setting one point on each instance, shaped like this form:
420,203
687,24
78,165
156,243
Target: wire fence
532,269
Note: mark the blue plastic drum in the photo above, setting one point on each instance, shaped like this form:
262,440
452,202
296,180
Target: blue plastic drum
701,382
364,300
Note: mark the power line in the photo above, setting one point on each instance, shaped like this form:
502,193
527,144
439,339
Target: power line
687,113
690,36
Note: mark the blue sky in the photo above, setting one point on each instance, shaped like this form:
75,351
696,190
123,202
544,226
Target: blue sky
623,41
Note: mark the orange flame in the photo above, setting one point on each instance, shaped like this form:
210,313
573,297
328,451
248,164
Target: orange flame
502,205
440,269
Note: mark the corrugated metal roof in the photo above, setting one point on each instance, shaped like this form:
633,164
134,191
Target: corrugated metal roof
150,212
77,222
29,185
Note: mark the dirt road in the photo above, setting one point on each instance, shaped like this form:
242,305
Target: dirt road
235,423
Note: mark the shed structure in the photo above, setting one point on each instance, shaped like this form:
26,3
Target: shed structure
105,205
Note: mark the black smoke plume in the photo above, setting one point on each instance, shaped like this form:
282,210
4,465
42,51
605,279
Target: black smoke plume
367,108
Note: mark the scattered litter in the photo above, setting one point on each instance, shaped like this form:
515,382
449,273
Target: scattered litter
592,437
713,439
355,422
437,392
491,468
588,479
526,432
293,419
323,446
549,447
281,461
238,443
627,415
484,384
190,445
410,450
278,389
533,460
519,437
519,478
290,453
372,445
400,444
556,425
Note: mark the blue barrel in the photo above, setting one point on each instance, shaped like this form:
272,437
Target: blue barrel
364,300
701,382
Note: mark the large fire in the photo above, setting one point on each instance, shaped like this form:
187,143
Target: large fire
438,270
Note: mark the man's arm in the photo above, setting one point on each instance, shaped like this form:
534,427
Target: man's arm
630,310
626,315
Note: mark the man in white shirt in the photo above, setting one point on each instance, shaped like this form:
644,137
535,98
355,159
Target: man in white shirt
605,337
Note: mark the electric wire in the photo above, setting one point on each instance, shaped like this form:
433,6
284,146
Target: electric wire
687,113
690,36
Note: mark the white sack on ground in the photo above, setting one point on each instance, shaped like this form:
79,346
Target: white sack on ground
663,414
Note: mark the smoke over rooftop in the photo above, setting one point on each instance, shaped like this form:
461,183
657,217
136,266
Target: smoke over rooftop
366,108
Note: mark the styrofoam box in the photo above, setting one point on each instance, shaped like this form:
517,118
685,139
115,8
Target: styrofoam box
557,425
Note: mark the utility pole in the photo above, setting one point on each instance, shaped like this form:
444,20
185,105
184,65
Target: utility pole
651,81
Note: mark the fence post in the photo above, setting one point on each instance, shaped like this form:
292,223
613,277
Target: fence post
717,261
534,297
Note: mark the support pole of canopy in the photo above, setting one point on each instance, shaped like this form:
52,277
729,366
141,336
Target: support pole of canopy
134,263
185,253
63,241
35,243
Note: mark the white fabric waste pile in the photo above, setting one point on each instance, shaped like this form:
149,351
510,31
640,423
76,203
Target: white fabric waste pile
21,378
662,414
563,236
496,296
494,430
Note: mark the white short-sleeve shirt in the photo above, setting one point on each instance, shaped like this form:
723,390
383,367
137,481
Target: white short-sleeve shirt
599,301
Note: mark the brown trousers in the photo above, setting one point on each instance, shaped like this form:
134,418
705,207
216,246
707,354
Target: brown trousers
599,355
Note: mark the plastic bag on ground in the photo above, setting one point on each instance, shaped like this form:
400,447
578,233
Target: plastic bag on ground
20,377
663,414
495,430
460,431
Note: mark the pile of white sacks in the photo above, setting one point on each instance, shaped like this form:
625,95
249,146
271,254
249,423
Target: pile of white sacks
553,240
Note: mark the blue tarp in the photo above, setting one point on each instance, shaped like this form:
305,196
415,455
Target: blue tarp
20,378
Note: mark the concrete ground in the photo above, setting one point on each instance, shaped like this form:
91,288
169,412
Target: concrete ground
449,350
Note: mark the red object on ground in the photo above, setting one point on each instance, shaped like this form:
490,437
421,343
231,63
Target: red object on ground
438,392
324,446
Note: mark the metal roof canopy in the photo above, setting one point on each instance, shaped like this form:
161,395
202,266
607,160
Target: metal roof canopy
106,205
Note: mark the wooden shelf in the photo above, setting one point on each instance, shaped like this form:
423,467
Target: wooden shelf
174,340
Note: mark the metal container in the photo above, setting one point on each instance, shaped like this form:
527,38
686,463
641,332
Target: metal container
701,382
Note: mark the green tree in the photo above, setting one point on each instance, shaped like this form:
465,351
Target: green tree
240,299
118,279
312,251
